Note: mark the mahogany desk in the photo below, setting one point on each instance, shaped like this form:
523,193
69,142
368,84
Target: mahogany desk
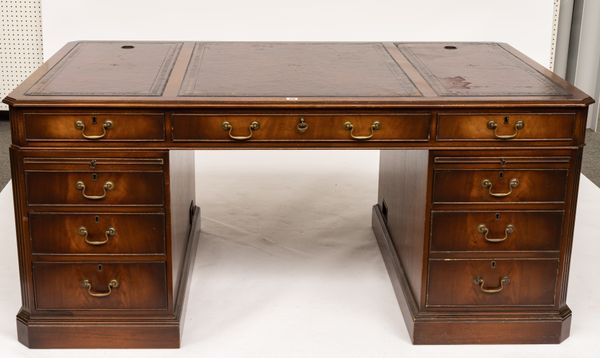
477,188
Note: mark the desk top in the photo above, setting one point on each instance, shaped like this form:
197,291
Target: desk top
291,74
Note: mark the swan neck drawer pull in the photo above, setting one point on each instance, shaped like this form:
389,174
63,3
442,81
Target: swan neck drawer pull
108,124
481,283
110,232
112,284
494,126
108,186
254,126
486,183
485,231
375,126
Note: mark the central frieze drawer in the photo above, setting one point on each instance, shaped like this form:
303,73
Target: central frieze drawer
98,233
289,127
490,282
77,286
94,188
499,185
92,127
496,230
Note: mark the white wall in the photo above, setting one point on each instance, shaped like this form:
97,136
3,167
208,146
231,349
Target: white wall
527,25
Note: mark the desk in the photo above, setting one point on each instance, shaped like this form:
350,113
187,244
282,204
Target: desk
474,221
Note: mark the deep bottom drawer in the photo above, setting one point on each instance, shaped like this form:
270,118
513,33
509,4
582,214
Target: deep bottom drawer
77,286
483,282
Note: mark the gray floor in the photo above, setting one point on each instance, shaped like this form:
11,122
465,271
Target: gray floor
591,155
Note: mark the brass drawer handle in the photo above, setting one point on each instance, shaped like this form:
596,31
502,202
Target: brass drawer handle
485,231
486,183
110,232
518,126
302,126
112,284
108,186
105,127
481,283
252,127
375,126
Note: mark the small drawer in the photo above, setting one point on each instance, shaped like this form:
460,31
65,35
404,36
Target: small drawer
82,286
510,282
94,188
506,126
496,230
101,233
499,186
90,127
287,127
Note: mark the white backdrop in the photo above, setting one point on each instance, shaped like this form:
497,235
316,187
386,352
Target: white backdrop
527,25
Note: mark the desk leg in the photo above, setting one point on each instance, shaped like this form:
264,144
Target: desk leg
86,323
401,223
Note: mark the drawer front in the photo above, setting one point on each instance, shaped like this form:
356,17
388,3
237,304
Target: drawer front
496,230
495,186
506,127
387,127
81,286
525,282
94,188
90,127
102,233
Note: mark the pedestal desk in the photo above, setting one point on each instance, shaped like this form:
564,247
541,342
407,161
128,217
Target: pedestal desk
480,161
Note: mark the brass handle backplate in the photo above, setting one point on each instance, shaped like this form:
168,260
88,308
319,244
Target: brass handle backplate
110,232
254,126
375,126
108,186
494,126
105,127
485,231
486,183
112,284
481,283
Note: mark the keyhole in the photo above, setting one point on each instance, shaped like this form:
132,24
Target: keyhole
94,176
501,174
506,120
493,264
100,267
94,120
497,216
97,219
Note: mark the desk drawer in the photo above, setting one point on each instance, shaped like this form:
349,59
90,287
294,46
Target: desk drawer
90,127
496,230
499,186
284,127
101,233
506,126
522,282
94,188
81,286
